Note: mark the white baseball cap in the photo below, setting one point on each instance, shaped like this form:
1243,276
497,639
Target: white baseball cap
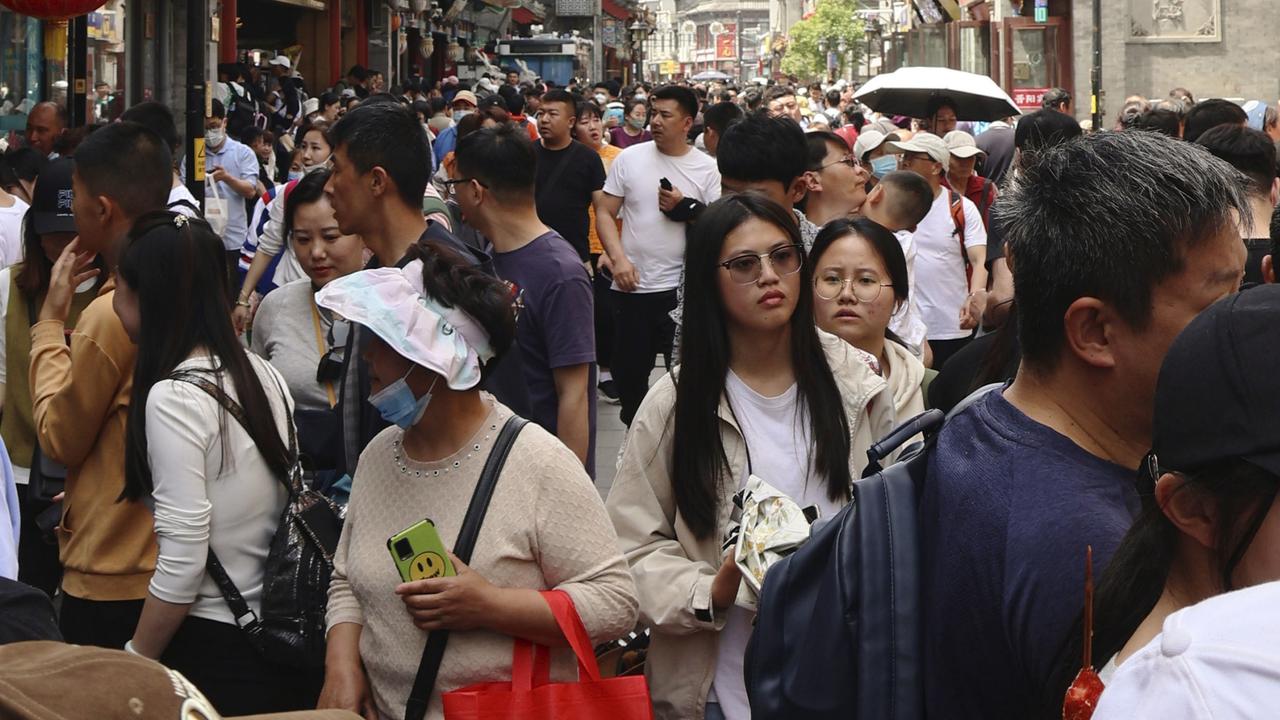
961,144
1216,660
926,143
869,140
282,61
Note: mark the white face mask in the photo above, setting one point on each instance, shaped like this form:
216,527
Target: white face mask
641,96
214,137
296,175
601,99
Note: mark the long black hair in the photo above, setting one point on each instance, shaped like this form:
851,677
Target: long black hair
1134,580
885,245
174,266
698,458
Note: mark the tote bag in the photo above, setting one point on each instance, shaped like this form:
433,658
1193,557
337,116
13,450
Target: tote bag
215,209
532,696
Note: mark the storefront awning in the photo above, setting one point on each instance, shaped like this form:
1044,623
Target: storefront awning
308,4
611,7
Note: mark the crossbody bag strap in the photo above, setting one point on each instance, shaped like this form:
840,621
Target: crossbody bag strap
425,681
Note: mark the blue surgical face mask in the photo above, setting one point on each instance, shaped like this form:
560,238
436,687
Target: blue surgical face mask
884,165
397,404
459,114
295,175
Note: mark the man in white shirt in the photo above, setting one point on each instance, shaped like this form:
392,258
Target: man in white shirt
647,258
951,243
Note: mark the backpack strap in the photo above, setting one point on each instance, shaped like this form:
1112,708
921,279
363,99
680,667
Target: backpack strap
957,217
425,681
246,619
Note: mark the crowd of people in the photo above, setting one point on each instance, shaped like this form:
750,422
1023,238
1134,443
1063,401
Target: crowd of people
381,282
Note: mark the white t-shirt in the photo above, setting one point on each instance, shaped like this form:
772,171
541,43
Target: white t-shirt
940,281
779,440
654,243
183,202
11,231
906,322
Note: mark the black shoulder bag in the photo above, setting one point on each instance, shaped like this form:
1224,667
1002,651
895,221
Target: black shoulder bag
433,653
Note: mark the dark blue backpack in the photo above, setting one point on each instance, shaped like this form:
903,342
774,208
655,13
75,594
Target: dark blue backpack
838,630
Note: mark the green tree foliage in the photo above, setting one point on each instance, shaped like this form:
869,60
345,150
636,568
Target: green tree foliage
833,20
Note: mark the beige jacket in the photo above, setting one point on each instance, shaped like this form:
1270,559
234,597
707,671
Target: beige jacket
673,569
906,373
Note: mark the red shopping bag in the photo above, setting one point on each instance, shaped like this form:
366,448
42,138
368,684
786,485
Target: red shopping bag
532,696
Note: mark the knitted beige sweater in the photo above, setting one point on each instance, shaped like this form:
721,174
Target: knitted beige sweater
546,528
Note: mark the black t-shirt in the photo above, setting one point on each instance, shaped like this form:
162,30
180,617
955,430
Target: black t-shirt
566,179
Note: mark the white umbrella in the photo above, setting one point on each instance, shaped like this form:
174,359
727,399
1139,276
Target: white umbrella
710,75
910,90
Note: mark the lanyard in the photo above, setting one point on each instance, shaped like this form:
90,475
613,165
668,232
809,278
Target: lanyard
320,345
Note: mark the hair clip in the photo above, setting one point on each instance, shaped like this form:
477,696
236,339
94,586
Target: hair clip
180,220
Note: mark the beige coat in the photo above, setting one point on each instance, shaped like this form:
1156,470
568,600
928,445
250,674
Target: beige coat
906,374
673,569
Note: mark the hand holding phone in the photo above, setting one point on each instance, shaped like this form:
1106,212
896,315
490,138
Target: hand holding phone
419,554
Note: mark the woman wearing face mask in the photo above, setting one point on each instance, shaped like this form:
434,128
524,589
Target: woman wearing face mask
632,131
761,391
207,441
871,149
270,243
302,341
545,527
859,283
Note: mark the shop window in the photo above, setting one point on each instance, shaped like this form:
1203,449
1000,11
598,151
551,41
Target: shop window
1035,52
975,48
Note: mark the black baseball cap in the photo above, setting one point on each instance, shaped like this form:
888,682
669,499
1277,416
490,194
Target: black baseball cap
51,201
1218,396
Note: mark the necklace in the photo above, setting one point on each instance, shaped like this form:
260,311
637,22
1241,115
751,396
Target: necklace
396,446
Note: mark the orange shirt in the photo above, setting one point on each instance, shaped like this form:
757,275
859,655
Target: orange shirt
607,154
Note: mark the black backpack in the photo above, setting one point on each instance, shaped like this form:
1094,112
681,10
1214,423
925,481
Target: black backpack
838,631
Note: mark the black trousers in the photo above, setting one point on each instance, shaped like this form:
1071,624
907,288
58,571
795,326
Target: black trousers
944,349
218,659
602,295
103,623
38,564
643,328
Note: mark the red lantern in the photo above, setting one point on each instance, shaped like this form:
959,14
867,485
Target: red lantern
53,9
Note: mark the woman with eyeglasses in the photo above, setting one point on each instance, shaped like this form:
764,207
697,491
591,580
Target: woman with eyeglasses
761,391
301,340
859,284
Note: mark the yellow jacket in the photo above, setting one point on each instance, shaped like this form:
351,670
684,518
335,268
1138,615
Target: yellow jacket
81,404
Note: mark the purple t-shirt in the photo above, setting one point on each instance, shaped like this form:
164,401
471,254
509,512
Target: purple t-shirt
621,140
555,324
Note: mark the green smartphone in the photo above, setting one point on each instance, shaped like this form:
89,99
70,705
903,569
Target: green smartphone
419,554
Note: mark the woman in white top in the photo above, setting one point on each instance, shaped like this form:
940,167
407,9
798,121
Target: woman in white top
216,483
761,391
859,284
301,339
545,527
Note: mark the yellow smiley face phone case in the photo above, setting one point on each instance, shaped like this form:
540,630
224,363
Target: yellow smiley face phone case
419,554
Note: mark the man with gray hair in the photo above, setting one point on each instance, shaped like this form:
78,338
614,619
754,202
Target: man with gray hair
1117,240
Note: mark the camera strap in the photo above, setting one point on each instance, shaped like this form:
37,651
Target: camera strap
323,348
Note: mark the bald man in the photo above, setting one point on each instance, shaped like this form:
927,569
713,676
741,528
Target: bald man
45,125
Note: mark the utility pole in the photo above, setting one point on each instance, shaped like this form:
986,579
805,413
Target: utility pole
738,45
1096,74
77,93
197,19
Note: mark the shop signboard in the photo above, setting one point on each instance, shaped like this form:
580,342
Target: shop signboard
726,46
1029,98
